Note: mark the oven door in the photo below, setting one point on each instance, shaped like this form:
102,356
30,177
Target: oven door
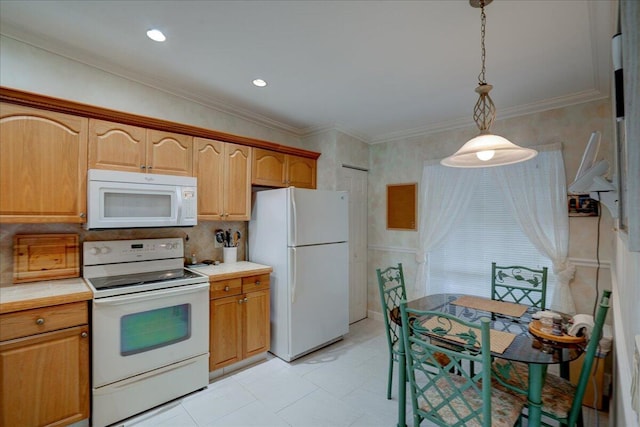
136,333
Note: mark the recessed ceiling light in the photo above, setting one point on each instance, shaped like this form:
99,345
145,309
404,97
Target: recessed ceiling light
156,35
259,83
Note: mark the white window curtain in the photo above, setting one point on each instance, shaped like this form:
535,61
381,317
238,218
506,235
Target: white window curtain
445,196
469,220
536,194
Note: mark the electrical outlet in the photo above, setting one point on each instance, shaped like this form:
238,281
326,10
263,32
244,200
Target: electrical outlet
217,244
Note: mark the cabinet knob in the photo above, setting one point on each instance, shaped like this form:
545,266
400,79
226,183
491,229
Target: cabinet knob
240,301
226,289
40,321
84,335
257,282
149,167
143,167
82,214
245,299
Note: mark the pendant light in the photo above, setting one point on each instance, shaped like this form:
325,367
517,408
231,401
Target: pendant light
486,149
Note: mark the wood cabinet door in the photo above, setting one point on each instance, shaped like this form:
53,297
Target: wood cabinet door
115,146
225,326
43,166
301,172
169,153
268,168
256,326
45,378
208,167
237,183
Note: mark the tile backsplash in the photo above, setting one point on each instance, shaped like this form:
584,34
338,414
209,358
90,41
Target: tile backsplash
198,240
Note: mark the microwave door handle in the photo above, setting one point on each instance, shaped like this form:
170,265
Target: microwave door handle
147,296
179,205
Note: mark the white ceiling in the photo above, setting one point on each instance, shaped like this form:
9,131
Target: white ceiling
375,69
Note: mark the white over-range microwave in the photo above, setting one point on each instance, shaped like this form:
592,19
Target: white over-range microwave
131,200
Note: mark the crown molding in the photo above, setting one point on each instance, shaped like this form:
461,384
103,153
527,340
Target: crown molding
146,80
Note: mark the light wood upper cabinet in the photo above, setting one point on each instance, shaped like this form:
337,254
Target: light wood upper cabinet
43,166
169,153
117,146
301,172
274,169
268,168
45,372
224,180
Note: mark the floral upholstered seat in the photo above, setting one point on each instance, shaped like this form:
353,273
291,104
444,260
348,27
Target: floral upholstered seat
557,393
505,408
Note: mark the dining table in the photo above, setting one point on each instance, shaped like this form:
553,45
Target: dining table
535,351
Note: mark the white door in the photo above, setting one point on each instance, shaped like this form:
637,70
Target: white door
355,182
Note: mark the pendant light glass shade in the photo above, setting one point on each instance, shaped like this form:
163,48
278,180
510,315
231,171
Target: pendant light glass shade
488,150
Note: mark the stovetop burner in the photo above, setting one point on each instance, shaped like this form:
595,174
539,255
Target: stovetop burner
137,279
119,267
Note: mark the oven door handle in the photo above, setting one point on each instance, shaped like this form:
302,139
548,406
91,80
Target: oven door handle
149,295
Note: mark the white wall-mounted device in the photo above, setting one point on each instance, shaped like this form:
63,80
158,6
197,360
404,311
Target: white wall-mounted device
590,177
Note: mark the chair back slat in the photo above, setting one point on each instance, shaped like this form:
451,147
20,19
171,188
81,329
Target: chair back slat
589,356
444,394
519,284
392,291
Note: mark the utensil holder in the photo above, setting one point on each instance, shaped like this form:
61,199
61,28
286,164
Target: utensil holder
229,255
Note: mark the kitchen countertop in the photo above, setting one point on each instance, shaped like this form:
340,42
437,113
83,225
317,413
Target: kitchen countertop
233,270
25,296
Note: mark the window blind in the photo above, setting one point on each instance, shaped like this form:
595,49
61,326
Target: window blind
486,233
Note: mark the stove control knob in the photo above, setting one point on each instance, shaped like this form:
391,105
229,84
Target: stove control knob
105,250
94,251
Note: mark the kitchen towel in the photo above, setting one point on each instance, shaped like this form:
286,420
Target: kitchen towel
581,321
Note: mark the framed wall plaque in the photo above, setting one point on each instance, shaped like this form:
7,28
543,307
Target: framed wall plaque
402,207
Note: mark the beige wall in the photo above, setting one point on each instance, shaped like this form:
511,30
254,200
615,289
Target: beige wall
35,70
402,160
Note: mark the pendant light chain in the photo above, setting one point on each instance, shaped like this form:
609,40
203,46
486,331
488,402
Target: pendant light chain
486,149
483,19
484,112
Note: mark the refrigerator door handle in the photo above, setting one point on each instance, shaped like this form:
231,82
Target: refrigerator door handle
292,274
294,218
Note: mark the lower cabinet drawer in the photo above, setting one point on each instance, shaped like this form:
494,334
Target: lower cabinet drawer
45,319
255,283
225,288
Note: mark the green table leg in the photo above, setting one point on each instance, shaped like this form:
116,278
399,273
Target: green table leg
402,385
536,377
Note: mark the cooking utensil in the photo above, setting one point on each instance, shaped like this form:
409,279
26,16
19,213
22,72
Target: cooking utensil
227,238
236,238
219,236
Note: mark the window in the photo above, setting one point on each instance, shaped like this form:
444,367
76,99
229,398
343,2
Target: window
486,232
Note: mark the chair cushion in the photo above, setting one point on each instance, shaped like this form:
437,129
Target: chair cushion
505,408
557,393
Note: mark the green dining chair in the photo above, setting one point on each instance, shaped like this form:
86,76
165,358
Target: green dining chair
392,291
522,285
561,400
446,399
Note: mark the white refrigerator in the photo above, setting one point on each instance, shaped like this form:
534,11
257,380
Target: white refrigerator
303,234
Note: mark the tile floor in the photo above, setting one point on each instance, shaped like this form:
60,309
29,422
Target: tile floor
341,385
